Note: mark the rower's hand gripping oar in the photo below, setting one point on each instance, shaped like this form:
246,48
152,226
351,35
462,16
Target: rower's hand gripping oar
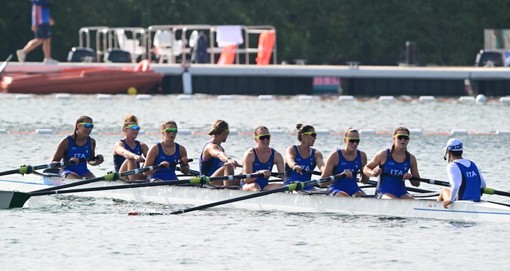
28,169
290,187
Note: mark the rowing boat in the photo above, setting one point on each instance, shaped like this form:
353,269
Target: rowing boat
288,202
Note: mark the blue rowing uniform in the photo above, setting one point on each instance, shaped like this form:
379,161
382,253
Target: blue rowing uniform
166,174
391,178
471,182
208,167
347,185
258,165
119,159
307,164
80,152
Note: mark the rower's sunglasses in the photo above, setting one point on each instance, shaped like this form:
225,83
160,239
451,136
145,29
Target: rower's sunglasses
312,134
87,125
133,127
263,136
170,130
353,140
402,137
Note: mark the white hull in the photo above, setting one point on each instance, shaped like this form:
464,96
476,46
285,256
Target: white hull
288,202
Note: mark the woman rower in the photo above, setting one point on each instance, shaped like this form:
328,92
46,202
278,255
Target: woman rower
167,153
301,159
349,161
214,161
392,165
129,153
261,159
80,149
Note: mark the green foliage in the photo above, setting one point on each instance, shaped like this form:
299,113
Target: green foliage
373,32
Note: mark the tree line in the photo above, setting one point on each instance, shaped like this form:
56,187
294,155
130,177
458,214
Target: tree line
372,32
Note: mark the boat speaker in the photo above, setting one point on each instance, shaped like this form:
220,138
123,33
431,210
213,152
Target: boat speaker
81,54
117,56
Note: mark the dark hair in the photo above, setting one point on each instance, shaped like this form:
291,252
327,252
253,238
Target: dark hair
80,120
218,127
456,153
303,129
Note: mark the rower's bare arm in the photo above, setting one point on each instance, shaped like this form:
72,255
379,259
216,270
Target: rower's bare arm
363,176
414,170
319,161
248,159
372,168
151,157
184,160
279,162
328,169
290,157
60,151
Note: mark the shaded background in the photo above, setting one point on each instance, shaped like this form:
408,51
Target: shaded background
373,32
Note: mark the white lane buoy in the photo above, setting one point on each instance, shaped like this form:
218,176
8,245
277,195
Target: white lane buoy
481,99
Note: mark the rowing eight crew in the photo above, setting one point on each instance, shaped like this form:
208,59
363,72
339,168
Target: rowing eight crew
393,165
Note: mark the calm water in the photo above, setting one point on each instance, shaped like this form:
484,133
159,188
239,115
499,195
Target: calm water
85,233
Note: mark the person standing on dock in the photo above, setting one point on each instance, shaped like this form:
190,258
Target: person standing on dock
214,161
168,154
41,26
393,165
79,148
301,159
349,161
466,181
261,159
128,152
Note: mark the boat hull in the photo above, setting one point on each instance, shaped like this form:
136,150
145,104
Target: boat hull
81,81
290,202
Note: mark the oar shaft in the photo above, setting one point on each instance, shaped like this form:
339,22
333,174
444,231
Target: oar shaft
290,187
205,206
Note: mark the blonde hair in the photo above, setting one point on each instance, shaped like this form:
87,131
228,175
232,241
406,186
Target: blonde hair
130,120
259,128
218,127
350,130
168,123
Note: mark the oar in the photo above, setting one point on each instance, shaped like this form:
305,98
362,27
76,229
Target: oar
27,169
111,176
16,199
487,190
290,187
